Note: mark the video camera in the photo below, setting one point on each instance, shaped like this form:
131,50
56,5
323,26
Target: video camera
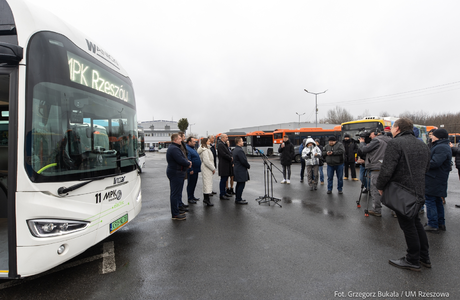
366,135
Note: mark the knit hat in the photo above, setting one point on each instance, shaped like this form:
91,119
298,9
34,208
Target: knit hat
388,128
317,140
441,133
346,135
332,138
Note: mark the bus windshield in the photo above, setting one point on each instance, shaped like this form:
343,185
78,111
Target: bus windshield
81,120
354,128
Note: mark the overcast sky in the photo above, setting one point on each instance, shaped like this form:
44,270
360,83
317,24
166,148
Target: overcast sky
231,64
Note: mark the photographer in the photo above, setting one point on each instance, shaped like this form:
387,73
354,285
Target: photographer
374,152
312,154
361,161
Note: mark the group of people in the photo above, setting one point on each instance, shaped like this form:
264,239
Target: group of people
185,162
395,155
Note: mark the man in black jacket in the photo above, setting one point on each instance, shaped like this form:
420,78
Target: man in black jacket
225,165
349,156
286,151
333,154
240,172
395,168
177,167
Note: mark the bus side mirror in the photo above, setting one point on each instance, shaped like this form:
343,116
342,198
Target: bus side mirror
10,54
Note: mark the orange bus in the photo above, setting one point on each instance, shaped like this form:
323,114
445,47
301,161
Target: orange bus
296,136
259,140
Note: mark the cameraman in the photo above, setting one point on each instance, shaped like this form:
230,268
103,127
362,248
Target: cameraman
374,152
361,161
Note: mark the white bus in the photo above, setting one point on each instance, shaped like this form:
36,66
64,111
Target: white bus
68,150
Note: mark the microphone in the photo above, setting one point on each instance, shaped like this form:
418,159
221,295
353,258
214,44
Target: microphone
257,150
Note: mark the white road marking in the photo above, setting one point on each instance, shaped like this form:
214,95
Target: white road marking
108,261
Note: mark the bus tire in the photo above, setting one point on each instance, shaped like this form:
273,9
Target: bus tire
297,158
269,151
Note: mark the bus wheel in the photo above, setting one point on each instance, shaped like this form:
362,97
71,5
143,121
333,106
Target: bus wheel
269,151
297,158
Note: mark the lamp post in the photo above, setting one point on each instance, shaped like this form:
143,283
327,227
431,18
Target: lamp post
299,117
191,128
316,103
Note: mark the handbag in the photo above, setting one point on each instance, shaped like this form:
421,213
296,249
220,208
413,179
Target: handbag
402,199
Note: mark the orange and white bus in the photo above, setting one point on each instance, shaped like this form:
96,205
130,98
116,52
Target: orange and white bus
261,141
296,136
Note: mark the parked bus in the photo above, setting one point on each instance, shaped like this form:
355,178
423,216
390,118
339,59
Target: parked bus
68,156
259,140
372,122
296,136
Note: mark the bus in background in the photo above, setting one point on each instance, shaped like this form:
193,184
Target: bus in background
231,138
372,122
141,146
259,140
296,136
69,176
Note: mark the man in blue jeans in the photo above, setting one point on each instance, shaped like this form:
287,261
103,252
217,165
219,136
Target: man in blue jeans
333,153
436,180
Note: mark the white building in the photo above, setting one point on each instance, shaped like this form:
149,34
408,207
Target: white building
158,132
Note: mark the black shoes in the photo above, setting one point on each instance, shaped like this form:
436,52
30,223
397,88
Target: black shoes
340,192
224,198
365,191
191,201
374,213
241,202
227,195
179,218
184,205
329,192
206,200
426,263
428,228
404,264
183,208
442,227
214,193
457,205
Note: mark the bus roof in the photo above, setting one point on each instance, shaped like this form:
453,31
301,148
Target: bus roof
260,133
309,129
30,19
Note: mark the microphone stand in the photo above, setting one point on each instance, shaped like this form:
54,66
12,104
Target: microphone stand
268,181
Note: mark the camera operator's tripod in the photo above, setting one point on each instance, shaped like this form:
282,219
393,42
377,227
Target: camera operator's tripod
367,175
268,181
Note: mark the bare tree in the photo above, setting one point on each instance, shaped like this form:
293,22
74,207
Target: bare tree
384,114
337,115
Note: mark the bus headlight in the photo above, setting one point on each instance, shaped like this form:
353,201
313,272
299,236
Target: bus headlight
54,227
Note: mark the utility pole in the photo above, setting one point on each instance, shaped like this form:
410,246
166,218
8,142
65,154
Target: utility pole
316,103
299,117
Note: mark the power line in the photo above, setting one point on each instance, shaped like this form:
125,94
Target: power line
379,98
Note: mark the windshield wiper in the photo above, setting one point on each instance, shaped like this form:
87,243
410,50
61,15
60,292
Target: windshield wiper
135,160
63,191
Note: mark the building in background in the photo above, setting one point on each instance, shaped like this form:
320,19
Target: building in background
158,133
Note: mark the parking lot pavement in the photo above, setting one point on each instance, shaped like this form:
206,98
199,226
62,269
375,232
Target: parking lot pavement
316,246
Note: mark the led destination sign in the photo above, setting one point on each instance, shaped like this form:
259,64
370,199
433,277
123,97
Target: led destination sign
90,75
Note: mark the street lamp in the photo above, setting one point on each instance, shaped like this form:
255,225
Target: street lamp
299,117
191,128
316,103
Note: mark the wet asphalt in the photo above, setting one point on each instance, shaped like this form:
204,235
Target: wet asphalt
316,246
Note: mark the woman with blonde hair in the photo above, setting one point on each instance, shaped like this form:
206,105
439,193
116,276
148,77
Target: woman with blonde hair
207,169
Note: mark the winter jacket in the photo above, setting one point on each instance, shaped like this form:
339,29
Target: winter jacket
225,160
337,154
195,159
351,148
395,168
177,163
456,153
207,159
437,176
241,173
375,151
311,154
286,153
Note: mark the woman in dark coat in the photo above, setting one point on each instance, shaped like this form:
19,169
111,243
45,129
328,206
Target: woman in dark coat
240,170
286,151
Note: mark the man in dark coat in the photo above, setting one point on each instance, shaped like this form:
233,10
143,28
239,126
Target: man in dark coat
177,166
395,168
192,173
286,151
436,180
351,148
333,154
225,165
240,172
